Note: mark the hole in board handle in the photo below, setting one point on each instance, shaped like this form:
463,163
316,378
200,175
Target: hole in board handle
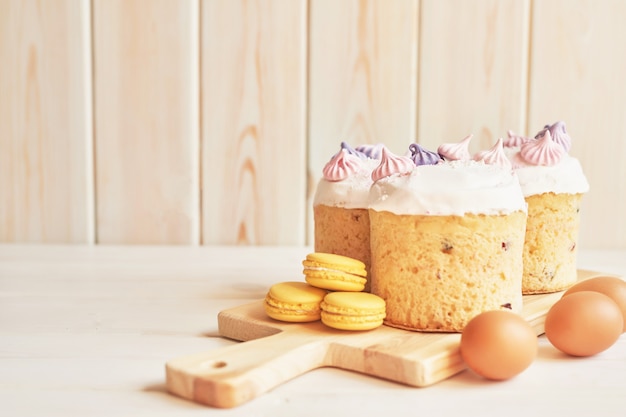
214,364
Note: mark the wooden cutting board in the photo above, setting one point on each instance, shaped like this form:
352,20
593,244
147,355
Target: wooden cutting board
275,352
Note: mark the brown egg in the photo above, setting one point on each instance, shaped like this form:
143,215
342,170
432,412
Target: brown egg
611,286
498,344
584,323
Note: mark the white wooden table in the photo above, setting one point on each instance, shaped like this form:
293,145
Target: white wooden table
86,331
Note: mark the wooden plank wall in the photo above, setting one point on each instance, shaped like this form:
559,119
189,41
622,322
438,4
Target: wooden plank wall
145,64
208,121
46,158
253,100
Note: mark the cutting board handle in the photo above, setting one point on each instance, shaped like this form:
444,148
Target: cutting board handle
233,375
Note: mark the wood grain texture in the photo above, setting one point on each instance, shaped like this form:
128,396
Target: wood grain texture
86,331
578,62
473,70
146,121
46,174
253,121
362,80
276,352
235,159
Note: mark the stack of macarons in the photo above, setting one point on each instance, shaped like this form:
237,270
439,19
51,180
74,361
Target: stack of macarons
332,293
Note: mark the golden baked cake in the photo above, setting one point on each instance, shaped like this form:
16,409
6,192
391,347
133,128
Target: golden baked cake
446,239
340,215
553,184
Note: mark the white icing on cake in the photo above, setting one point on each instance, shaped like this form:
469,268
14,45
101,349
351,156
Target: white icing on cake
450,188
565,177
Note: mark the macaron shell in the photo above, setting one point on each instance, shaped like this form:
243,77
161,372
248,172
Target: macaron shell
337,321
296,292
334,280
352,310
335,262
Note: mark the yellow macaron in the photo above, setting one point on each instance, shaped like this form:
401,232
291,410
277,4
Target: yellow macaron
334,272
296,302
353,310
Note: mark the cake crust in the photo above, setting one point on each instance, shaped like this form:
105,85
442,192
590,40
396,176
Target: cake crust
551,242
437,272
343,231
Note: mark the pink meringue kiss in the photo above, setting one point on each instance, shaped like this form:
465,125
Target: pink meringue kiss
391,164
495,156
341,166
456,151
543,151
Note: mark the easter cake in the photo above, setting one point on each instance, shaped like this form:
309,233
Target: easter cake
446,237
553,184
